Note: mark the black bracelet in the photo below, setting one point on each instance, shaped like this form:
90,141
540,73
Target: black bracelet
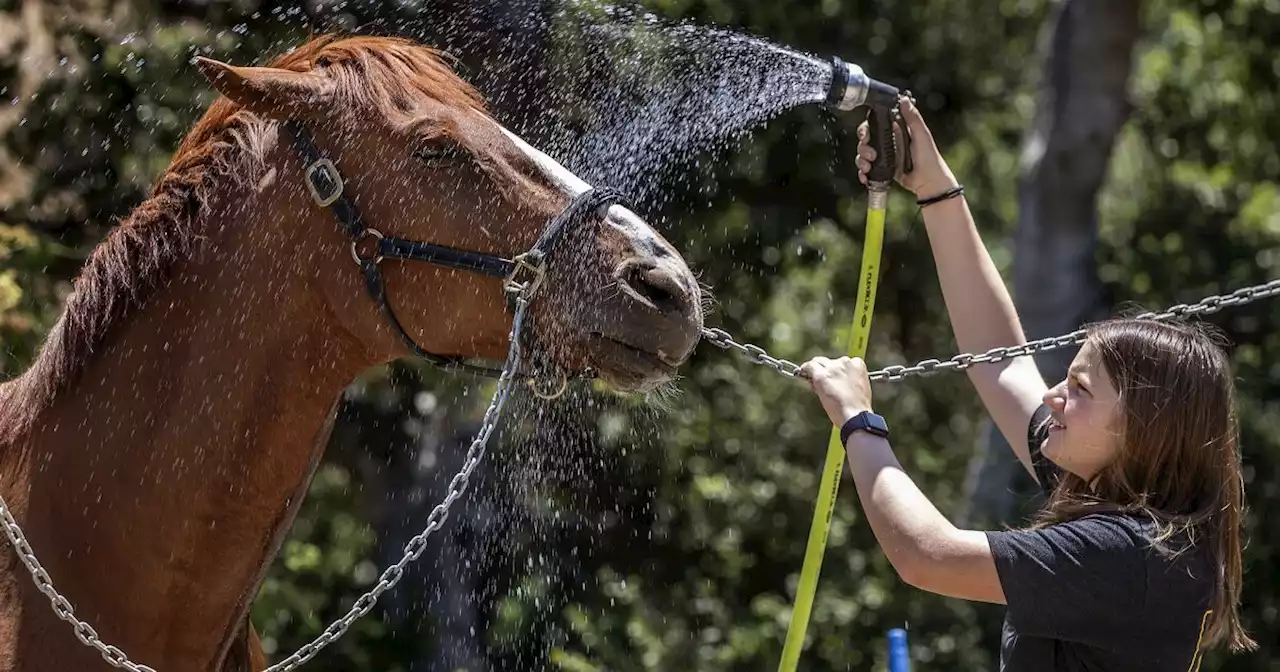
950,193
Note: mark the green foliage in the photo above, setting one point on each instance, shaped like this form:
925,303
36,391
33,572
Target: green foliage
321,571
24,312
695,508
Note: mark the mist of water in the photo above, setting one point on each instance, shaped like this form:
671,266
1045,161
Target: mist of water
646,97
637,103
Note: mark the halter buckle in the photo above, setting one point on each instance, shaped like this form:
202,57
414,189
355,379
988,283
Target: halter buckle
514,284
324,182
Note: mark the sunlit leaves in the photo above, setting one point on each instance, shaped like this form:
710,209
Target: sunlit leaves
693,510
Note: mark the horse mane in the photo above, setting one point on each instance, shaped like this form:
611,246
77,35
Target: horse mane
138,256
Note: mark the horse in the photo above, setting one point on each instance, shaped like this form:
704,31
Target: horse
157,449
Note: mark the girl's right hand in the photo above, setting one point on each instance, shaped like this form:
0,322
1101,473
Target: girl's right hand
930,174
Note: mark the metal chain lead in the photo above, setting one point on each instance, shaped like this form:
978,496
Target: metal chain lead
1211,304
61,606
414,548
435,520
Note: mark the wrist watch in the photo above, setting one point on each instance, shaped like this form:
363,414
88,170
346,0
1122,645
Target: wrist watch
866,421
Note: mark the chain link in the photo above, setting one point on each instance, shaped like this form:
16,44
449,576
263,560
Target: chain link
414,548
753,353
1210,304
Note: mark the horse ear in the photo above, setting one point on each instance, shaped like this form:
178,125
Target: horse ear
271,92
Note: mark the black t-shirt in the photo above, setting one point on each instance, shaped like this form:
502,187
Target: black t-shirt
1091,594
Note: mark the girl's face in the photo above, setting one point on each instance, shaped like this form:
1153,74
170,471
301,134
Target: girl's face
1085,434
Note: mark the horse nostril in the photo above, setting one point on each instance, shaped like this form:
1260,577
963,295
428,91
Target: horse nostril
657,285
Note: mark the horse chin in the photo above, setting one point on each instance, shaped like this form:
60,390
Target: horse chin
626,367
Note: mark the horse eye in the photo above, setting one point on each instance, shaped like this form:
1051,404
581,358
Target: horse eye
439,157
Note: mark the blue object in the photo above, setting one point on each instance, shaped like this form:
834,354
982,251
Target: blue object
899,658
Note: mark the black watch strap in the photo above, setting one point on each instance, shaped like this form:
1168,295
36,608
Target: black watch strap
865,420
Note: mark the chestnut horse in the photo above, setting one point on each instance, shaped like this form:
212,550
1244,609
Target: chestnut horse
156,452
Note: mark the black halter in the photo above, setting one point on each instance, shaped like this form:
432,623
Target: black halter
369,247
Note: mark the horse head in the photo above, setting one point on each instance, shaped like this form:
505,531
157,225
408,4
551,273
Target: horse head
419,161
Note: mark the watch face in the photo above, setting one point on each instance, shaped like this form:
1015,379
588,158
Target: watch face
877,423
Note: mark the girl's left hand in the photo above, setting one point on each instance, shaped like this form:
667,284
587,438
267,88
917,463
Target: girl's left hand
842,384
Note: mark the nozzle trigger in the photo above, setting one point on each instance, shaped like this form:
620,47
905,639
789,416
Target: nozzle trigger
906,138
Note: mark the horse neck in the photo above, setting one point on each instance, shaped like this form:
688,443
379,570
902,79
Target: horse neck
157,488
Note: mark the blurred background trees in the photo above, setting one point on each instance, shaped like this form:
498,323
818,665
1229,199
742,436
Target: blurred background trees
1114,153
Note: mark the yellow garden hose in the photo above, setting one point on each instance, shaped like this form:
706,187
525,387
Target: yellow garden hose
868,279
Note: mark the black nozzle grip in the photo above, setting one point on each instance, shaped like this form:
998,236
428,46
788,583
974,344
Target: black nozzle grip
880,138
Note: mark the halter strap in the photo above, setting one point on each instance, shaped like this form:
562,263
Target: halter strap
369,247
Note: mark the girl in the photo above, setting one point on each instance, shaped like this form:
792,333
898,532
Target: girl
1135,561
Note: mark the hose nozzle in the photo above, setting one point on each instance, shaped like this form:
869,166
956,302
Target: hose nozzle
851,88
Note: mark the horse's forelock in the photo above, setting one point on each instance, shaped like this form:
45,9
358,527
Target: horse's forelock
385,73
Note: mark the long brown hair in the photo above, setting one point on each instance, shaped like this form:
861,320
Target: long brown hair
1179,463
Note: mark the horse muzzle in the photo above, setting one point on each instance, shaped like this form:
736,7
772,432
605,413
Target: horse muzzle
648,324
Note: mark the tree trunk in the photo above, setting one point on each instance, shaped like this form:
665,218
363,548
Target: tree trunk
1088,50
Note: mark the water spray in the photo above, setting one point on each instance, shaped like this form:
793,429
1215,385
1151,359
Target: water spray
850,90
